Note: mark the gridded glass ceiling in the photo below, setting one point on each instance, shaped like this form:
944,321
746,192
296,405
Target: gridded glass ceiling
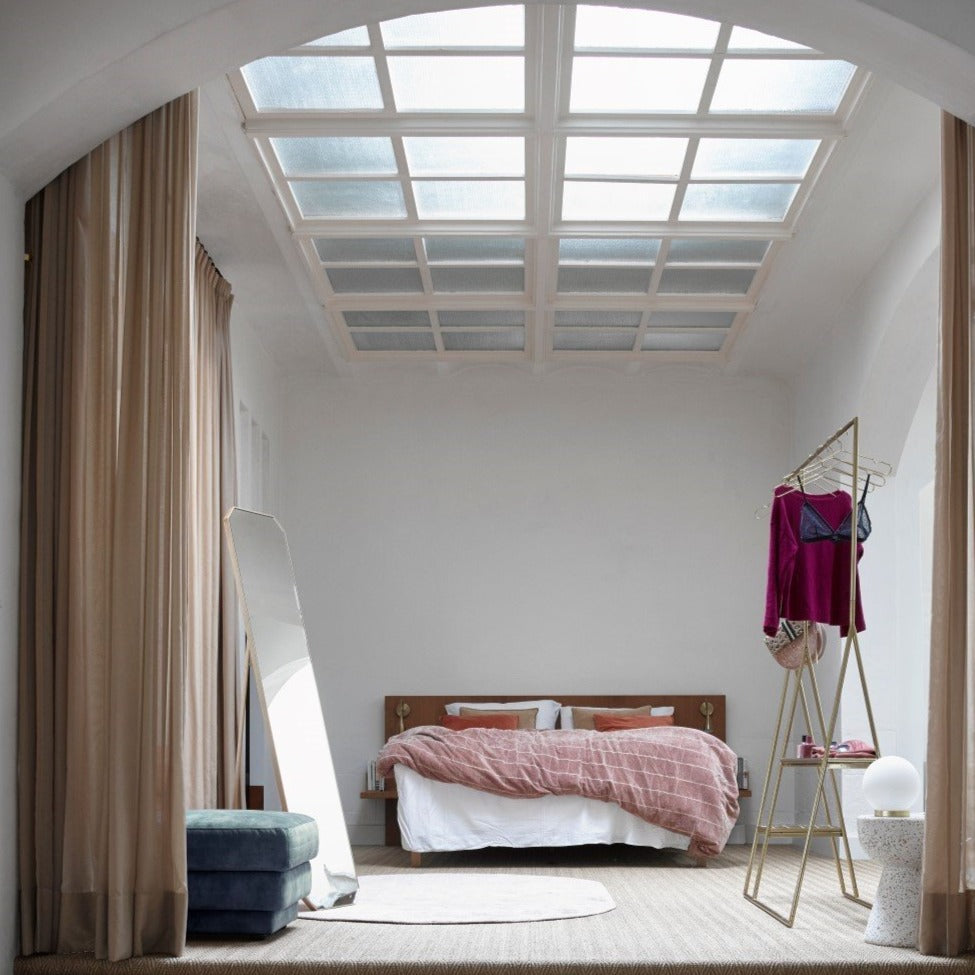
545,182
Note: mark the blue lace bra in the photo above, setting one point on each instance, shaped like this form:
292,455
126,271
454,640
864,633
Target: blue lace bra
813,527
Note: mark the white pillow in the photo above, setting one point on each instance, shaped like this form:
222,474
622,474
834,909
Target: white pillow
567,724
548,711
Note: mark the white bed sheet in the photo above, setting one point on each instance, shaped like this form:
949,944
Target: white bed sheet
441,816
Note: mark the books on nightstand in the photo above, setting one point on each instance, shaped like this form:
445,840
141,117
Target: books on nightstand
374,783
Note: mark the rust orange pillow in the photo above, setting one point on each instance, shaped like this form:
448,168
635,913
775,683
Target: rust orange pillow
624,722
502,722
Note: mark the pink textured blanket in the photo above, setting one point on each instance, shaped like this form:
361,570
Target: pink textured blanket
678,778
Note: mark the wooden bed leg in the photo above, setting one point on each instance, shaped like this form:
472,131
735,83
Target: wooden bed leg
416,859
699,862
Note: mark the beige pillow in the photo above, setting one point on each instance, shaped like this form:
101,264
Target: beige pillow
582,717
526,718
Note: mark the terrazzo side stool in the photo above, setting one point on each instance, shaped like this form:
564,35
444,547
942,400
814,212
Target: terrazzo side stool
896,842
247,870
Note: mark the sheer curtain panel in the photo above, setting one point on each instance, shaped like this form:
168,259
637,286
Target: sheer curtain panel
213,672
947,900
104,543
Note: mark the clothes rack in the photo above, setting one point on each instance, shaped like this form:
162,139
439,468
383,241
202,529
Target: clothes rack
832,461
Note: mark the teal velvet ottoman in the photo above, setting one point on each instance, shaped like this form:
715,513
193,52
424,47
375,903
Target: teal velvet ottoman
247,870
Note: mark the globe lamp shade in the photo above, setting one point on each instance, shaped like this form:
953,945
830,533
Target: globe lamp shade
891,784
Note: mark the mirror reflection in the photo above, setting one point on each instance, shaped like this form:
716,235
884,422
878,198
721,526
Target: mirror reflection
277,648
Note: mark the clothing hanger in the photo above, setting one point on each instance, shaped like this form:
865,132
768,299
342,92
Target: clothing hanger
833,462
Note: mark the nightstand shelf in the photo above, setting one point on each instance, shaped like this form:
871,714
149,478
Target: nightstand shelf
379,794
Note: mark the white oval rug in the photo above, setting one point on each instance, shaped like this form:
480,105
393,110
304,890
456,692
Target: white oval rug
468,898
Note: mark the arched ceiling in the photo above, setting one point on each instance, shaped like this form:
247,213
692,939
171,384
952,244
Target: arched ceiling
75,71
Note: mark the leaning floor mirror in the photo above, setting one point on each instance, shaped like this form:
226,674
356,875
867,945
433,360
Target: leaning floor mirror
277,650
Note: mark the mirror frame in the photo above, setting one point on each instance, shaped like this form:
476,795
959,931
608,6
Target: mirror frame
334,880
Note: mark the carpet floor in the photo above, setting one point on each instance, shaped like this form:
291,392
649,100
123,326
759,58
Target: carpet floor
670,919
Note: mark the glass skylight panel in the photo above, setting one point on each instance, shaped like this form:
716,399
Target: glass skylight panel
354,37
473,27
621,250
480,319
471,280
386,319
616,201
740,158
773,85
738,201
586,340
327,155
375,280
624,85
691,319
456,249
618,27
501,340
350,198
458,84
743,39
475,156
683,341
470,199
312,82
705,280
704,250
402,341
365,249
583,318
381,173
627,156
601,279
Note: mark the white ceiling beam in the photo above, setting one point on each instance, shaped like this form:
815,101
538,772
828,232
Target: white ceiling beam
509,302
312,227
548,78
285,124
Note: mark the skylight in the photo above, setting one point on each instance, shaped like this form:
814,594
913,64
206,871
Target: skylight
544,183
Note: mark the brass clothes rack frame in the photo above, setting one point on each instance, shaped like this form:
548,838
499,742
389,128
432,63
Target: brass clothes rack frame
846,468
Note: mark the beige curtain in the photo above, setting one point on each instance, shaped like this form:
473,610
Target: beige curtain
104,539
947,907
213,682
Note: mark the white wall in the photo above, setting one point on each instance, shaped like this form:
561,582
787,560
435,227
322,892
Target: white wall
878,364
259,425
11,329
494,531
897,593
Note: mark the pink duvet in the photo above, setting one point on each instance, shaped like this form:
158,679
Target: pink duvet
678,778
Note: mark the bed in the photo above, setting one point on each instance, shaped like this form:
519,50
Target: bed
432,812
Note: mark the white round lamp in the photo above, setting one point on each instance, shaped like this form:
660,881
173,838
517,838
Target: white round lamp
891,784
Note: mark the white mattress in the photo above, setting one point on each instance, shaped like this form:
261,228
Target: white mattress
441,816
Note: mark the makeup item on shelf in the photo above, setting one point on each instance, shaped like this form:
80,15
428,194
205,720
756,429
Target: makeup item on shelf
806,747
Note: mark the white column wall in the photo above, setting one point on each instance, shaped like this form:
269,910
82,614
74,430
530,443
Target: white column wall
878,364
495,531
259,426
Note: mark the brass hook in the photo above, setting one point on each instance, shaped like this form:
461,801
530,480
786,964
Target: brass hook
402,711
707,709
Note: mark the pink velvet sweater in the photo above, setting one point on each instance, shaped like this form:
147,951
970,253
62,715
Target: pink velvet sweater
809,580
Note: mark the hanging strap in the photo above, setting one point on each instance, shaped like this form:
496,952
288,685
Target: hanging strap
866,487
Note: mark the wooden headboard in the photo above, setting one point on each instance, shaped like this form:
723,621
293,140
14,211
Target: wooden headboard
428,708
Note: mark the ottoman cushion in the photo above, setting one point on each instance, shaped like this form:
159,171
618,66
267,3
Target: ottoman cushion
248,890
240,922
248,839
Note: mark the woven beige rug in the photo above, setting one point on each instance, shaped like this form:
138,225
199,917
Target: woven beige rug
670,919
